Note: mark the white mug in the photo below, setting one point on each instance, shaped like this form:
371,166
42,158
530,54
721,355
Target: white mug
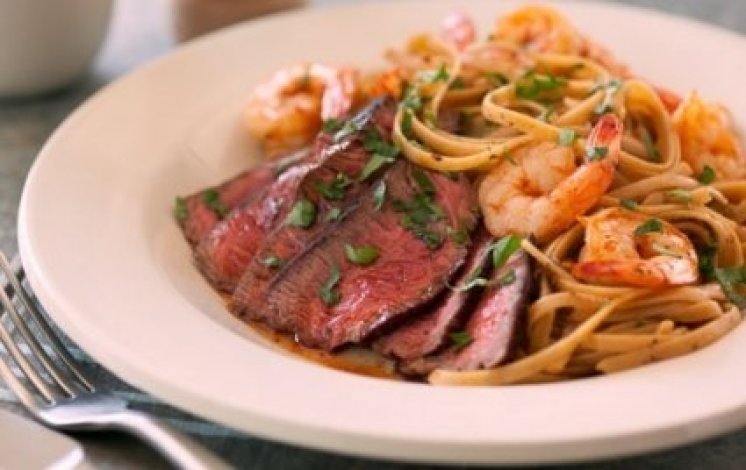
47,44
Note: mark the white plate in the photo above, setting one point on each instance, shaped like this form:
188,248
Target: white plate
110,265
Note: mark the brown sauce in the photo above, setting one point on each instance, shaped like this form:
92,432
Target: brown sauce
357,360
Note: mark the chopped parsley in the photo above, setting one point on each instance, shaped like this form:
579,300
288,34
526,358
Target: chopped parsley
375,162
332,125
361,255
729,279
706,261
303,214
211,198
496,78
333,214
273,262
707,176
596,153
507,279
406,124
629,204
373,143
379,195
650,148
460,236
423,181
326,292
457,84
503,249
434,76
420,211
566,137
181,212
460,339
649,226
412,99
334,190
532,85
429,117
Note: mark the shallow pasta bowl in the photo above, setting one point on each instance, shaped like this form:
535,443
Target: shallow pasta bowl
96,212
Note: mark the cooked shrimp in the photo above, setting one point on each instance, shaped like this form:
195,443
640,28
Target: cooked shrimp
286,112
709,139
458,29
629,248
544,192
544,29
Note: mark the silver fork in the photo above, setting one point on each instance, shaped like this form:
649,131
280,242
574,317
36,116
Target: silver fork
55,391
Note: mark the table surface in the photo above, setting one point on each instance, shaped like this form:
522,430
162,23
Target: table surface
140,31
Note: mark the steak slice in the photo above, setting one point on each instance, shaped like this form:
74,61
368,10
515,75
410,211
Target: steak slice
224,255
429,329
492,325
415,261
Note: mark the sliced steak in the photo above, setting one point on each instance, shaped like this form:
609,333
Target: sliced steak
225,253
492,325
415,259
429,329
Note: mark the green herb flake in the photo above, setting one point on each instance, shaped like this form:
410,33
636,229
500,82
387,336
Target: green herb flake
412,99
211,198
334,190
423,181
649,226
273,262
373,143
332,125
504,248
457,84
303,214
406,124
533,84
379,195
507,279
181,212
566,137
326,292
496,79
429,117
678,195
596,153
375,162
651,150
460,236
629,204
361,255
706,261
460,339
729,279
441,75
334,214
707,176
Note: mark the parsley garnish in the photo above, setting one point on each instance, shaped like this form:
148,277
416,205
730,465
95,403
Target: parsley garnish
706,261
375,162
429,117
333,214
457,84
335,189
729,278
211,198
707,176
460,339
460,236
679,195
420,211
566,137
533,84
649,226
496,78
406,124
433,76
332,125
379,195
373,143
412,99
303,214
181,212
650,148
596,153
629,204
362,255
327,293
426,185
273,261
507,279
503,249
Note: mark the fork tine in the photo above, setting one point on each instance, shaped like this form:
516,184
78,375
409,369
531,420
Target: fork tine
64,379
18,388
20,359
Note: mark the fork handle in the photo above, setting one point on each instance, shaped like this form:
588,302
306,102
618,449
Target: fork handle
177,448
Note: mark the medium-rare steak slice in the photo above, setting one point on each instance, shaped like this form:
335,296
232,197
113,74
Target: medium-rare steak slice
490,331
429,328
388,256
225,253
